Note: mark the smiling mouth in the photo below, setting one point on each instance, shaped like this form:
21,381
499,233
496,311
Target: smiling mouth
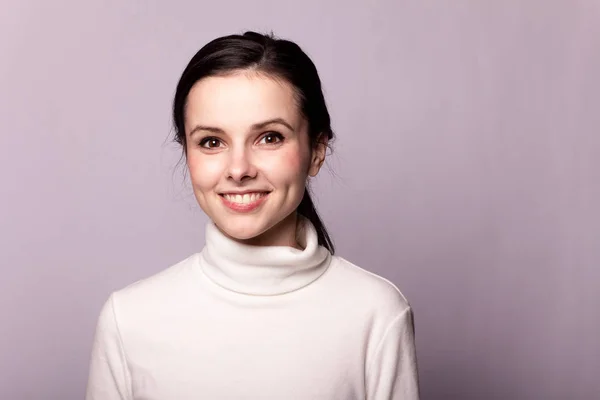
244,199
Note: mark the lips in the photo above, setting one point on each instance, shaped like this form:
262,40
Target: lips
244,202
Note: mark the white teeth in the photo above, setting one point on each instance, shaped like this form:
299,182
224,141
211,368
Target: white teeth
243,199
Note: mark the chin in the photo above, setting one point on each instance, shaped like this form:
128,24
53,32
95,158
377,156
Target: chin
261,227
240,230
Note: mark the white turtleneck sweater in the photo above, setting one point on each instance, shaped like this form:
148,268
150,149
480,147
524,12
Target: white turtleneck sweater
246,322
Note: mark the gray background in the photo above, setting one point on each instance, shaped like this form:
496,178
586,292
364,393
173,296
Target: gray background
466,171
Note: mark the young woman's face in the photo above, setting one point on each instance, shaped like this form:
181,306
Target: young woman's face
249,155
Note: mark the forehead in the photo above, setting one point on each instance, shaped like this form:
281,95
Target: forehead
240,100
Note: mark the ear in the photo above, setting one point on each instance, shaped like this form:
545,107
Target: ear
318,155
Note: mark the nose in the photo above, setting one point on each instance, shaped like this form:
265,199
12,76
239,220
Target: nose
240,167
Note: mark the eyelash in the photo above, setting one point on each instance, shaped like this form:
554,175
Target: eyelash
203,143
277,135
208,139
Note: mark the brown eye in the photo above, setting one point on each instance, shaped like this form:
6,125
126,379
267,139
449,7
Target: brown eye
210,142
271,138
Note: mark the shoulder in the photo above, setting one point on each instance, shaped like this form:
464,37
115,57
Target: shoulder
375,304
158,291
140,313
372,291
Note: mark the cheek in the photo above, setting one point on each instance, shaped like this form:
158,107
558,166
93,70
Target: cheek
204,172
294,163
291,167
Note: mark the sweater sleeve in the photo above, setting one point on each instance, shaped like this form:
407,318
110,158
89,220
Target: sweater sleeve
393,370
109,377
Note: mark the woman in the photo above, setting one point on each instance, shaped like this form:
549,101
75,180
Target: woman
265,311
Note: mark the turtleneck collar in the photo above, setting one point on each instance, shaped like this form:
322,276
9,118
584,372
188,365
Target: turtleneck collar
263,270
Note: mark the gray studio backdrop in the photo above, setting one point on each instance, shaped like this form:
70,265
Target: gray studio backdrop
466,171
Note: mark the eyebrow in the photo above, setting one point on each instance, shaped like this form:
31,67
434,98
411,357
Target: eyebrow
257,126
